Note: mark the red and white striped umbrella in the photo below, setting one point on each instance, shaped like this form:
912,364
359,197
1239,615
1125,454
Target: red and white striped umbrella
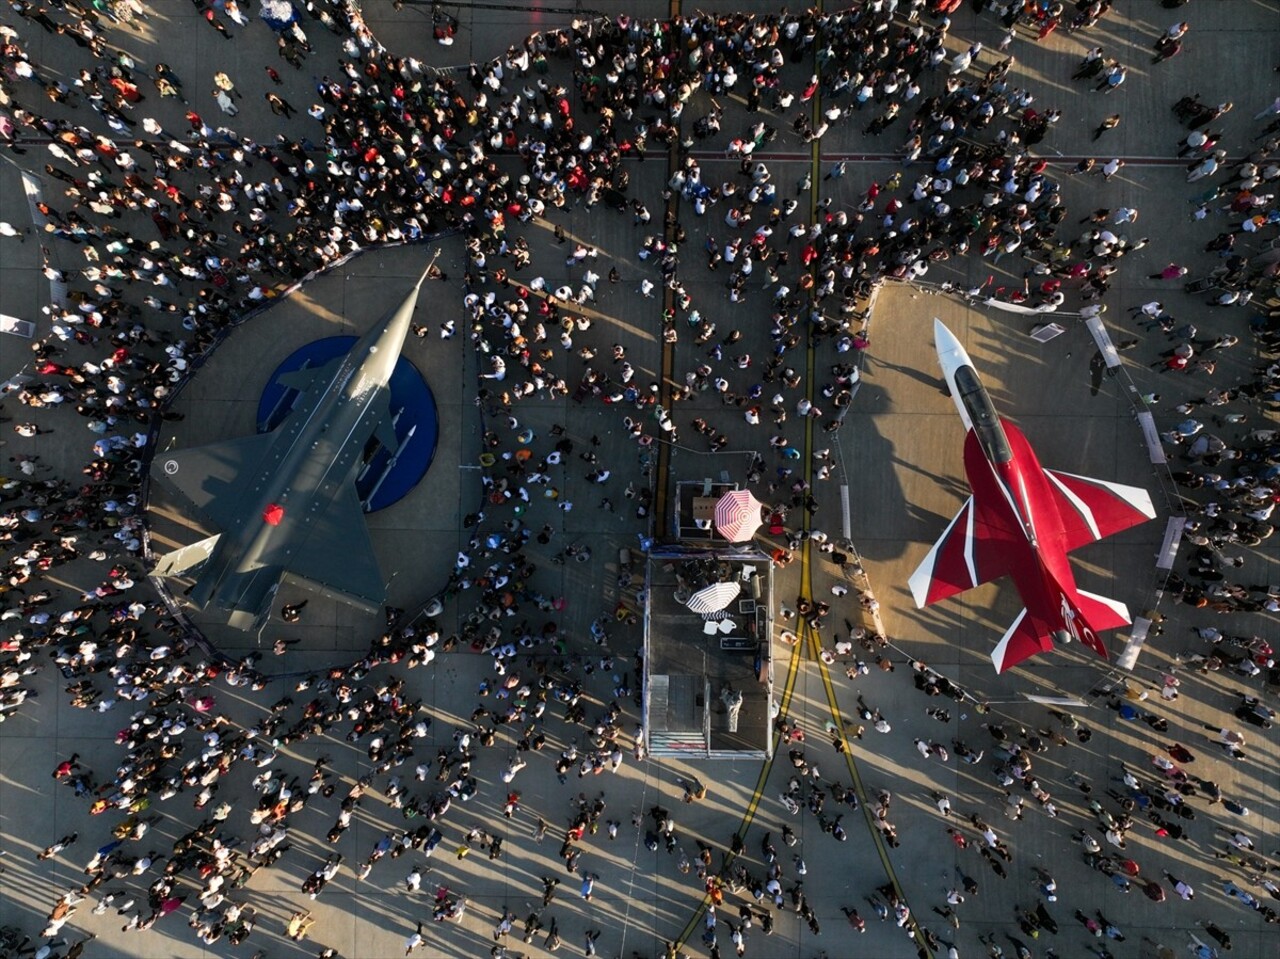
737,515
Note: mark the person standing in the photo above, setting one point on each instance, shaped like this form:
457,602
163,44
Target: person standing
223,82
1114,76
279,105
292,612
224,102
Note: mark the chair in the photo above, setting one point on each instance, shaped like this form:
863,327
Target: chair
710,627
727,626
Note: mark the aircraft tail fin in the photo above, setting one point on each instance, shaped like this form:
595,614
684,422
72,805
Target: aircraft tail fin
187,559
1091,614
1100,612
1024,638
1081,616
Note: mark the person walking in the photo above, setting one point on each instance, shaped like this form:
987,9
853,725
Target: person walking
1272,110
1201,949
298,926
1217,933
415,941
51,851
1108,123
1111,168
217,24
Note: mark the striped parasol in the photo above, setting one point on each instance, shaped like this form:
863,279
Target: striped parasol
714,597
737,515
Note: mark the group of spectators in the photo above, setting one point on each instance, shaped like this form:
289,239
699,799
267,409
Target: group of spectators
390,151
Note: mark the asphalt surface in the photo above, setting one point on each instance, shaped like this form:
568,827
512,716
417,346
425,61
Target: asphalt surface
899,456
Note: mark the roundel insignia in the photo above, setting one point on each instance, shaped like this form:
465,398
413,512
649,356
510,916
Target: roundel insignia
170,467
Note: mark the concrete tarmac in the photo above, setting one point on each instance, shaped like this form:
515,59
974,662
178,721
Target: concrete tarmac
899,456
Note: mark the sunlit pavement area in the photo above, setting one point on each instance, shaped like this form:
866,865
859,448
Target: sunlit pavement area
898,456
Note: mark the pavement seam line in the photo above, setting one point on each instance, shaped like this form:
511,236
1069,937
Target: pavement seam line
667,367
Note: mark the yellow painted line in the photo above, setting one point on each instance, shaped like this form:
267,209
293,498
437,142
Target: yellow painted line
860,790
803,632
793,670
806,637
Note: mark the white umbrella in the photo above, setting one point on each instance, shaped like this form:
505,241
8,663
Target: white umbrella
278,14
714,597
737,515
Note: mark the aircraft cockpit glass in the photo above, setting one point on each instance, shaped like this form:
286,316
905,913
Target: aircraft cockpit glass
982,414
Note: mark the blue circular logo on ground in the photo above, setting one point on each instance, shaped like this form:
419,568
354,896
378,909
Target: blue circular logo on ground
385,476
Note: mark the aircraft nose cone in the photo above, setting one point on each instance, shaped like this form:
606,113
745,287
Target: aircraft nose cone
943,338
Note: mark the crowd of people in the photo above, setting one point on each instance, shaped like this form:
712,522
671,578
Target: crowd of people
390,151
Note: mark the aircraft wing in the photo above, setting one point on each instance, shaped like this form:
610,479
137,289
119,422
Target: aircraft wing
337,557
969,553
1092,509
303,378
206,475
385,431
187,558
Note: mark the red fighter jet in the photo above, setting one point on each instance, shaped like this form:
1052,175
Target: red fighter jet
1021,521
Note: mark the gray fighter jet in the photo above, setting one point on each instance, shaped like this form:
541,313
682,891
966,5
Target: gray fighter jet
285,502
